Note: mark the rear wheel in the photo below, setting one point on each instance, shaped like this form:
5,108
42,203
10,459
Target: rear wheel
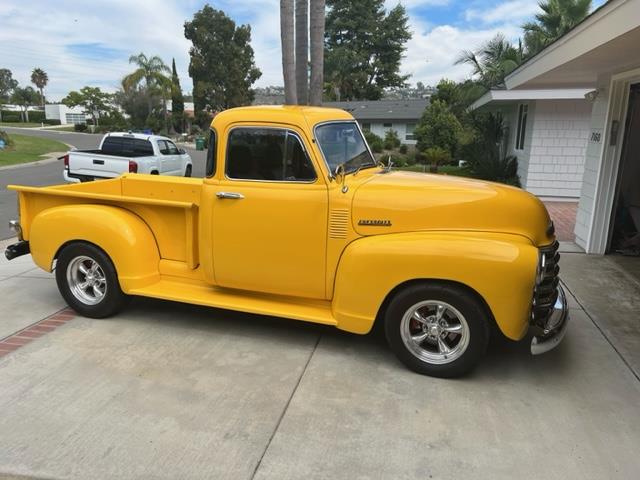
439,330
187,172
88,281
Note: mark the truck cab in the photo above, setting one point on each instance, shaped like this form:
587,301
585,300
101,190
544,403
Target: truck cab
295,218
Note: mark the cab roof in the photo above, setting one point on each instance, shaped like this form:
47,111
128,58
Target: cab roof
301,116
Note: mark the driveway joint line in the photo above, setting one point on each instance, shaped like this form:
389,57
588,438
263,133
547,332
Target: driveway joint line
286,407
604,335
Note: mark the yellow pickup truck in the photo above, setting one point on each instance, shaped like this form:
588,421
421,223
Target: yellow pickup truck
296,219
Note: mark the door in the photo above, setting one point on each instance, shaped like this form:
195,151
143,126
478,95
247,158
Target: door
270,215
170,161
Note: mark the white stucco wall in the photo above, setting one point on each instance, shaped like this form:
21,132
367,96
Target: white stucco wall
593,158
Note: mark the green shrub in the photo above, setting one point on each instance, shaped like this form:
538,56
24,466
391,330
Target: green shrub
391,140
436,156
36,116
80,127
11,116
374,141
403,149
52,122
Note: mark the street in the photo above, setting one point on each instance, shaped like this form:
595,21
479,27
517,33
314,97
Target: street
51,173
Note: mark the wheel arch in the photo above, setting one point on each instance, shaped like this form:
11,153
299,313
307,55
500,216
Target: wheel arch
122,235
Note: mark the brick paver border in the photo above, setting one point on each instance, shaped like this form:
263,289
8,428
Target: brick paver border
27,335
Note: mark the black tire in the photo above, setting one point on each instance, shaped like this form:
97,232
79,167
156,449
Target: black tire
187,172
111,301
155,172
466,348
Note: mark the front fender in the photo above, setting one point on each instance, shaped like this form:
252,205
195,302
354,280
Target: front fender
125,238
499,267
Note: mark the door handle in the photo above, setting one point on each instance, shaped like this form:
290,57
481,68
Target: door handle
230,195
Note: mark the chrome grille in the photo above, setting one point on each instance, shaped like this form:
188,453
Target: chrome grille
546,292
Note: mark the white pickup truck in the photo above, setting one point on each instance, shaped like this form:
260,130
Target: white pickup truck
123,152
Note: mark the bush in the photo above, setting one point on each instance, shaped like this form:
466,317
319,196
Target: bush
52,122
436,156
391,140
80,127
11,116
36,116
403,149
374,141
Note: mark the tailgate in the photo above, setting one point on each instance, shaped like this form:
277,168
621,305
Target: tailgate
97,164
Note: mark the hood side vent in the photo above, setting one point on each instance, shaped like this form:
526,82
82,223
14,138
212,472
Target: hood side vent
338,223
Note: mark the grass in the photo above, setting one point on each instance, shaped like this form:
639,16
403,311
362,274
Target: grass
29,149
443,170
21,124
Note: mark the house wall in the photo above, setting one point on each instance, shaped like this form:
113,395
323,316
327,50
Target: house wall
593,158
556,147
399,126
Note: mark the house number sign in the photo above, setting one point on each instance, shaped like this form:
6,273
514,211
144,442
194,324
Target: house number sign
596,137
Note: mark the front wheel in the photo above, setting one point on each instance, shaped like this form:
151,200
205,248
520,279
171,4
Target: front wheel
88,281
439,330
187,172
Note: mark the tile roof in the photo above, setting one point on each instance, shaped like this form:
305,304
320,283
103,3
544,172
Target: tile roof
383,109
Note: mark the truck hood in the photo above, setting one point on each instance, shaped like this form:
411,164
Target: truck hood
408,202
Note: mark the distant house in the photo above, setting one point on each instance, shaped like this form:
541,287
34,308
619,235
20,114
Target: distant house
547,130
66,115
380,116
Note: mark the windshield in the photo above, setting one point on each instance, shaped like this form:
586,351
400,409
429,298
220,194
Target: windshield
342,143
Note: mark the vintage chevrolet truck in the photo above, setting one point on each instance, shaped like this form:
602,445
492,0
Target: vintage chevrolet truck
296,219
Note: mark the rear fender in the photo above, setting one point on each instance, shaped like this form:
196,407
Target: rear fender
499,268
124,237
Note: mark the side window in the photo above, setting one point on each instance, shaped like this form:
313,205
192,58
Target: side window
163,147
173,150
523,111
142,147
211,153
268,154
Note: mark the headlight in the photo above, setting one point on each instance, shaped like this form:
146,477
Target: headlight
542,263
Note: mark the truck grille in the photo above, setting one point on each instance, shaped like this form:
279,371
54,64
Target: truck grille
546,292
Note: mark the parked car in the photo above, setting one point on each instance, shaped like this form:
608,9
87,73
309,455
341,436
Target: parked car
122,152
295,219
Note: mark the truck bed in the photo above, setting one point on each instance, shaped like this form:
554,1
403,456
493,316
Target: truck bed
96,163
169,205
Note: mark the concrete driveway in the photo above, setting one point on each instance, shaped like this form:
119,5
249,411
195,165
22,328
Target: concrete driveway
167,390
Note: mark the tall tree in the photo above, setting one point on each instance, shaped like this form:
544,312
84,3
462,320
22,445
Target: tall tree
302,51
556,19
151,70
7,85
222,64
93,101
364,47
25,98
177,98
288,52
438,128
493,61
40,79
317,51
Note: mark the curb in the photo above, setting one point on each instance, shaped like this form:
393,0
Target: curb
53,156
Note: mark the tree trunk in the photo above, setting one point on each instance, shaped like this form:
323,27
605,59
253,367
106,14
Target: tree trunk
317,52
26,113
288,52
42,96
302,51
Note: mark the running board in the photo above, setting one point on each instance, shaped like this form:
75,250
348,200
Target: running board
316,311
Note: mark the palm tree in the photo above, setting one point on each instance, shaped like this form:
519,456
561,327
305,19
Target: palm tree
40,79
556,19
494,60
152,70
302,51
317,51
288,58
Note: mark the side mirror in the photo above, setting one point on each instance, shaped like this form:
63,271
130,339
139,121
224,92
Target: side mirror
340,175
182,151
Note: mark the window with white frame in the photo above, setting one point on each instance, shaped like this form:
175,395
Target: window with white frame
409,133
523,110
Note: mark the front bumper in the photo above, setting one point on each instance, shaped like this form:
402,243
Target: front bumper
554,328
17,250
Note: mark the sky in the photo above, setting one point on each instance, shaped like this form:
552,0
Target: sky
82,43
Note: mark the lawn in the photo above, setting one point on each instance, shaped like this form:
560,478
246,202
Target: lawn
21,124
29,149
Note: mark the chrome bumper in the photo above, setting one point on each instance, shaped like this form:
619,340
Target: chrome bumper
554,328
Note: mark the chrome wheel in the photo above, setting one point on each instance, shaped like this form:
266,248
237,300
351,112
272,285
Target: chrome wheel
435,332
86,280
